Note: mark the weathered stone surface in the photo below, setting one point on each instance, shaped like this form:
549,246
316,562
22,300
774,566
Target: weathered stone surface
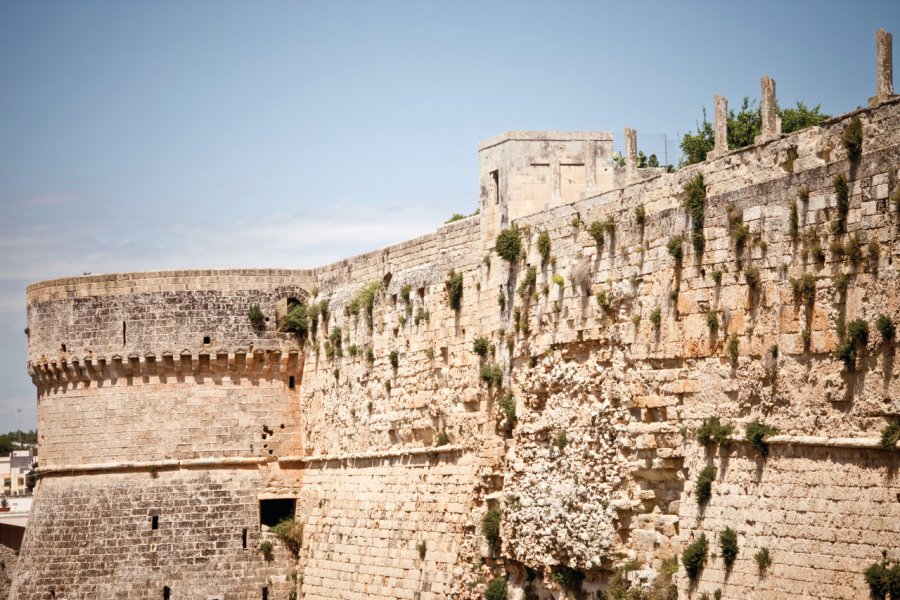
597,466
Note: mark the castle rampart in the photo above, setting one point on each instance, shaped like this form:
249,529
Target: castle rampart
601,348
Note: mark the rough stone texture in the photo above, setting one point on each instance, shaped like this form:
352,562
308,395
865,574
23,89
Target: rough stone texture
721,124
8,560
770,126
884,67
625,394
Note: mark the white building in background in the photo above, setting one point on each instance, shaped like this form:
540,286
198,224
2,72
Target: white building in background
14,471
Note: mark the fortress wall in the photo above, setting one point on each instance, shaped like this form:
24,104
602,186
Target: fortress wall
628,396
625,394
432,390
415,500
91,537
825,515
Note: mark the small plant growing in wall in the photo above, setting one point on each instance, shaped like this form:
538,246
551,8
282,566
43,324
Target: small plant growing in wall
656,318
794,223
751,276
712,322
395,359
603,300
526,288
885,327
267,549
561,440
422,549
763,560
501,300
496,589
567,577
543,246
480,346
756,433
492,375
733,348
890,435
703,488
852,138
728,544
508,405
714,431
842,194
490,527
290,532
853,338
674,246
509,244
640,215
717,277
883,579
441,440
694,556
695,203
255,314
454,286
296,320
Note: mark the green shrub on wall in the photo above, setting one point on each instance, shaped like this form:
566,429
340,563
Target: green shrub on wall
694,556
509,244
496,589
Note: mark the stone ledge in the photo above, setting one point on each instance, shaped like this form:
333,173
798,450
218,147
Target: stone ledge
392,453
822,441
159,464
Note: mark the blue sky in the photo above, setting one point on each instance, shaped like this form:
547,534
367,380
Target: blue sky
153,135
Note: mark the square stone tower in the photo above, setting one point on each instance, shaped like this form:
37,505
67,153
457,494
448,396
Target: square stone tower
524,172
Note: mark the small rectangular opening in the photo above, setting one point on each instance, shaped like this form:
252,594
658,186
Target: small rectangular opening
495,186
244,538
154,522
275,510
167,593
291,382
205,339
265,593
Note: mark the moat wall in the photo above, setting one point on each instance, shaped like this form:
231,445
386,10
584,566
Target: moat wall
175,418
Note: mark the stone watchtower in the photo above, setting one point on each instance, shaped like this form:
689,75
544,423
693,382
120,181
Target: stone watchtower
161,410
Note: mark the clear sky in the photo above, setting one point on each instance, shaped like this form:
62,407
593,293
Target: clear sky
153,135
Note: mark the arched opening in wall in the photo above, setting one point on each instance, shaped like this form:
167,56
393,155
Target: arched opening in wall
167,593
495,186
283,307
265,592
291,382
386,281
244,538
274,510
62,347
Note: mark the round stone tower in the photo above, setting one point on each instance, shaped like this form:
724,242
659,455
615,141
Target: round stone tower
162,410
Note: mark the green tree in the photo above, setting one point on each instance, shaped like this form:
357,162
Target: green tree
744,126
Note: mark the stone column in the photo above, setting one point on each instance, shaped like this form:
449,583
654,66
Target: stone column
770,129
884,67
721,124
630,148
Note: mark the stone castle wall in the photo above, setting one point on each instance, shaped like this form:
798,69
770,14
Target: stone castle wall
598,467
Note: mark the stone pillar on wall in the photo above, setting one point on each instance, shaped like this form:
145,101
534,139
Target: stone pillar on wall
771,128
884,67
631,153
721,126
